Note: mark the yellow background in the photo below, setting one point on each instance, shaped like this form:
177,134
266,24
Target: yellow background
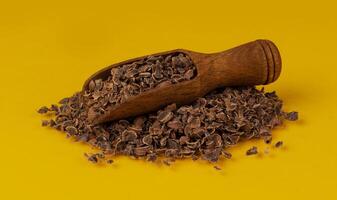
47,50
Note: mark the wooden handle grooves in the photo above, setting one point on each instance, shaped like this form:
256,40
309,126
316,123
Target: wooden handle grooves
273,59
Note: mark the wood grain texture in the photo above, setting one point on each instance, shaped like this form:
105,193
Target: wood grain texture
253,63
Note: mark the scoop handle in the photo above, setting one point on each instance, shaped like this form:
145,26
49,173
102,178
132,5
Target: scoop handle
253,63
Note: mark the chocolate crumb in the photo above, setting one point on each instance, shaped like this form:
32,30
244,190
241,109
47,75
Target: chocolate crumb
279,144
43,110
45,122
291,116
251,151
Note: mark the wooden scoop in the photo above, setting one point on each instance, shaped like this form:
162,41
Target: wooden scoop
253,63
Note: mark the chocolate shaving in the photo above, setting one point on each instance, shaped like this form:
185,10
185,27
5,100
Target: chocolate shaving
134,78
279,144
203,129
291,116
43,110
251,151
